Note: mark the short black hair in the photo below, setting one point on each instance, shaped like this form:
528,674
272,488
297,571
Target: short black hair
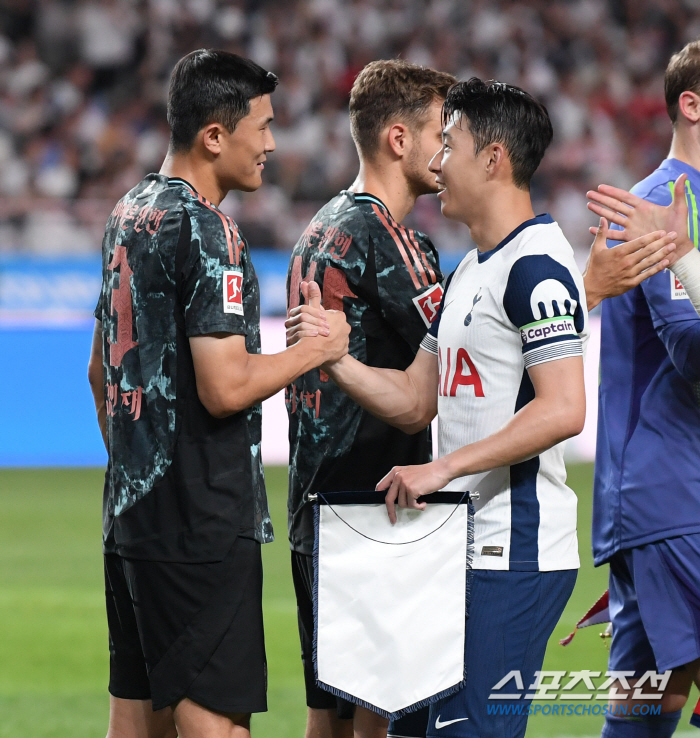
210,86
499,113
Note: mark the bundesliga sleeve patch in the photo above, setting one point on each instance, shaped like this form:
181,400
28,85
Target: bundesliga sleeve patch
677,290
233,292
428,302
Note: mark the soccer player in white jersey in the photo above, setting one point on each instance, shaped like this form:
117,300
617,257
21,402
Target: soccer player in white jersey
502,367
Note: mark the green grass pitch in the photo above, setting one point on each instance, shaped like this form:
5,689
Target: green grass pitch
53,638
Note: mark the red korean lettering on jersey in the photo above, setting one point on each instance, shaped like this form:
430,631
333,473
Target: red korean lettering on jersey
131,401
146,217
335,242
428,303
296,279
149,218
308,400
122,306
335,288
111,399
341,245
312,401
463,372
313,230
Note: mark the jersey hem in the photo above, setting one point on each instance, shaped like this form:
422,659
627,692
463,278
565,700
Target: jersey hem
215,328
429,344
605,556
559,350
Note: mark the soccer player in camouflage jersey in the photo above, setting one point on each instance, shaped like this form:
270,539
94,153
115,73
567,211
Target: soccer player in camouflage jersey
387,279
178,378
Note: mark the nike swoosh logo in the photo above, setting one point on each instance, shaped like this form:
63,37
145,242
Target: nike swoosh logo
444,724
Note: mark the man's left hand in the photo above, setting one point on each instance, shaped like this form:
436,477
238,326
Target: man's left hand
638,217
405,484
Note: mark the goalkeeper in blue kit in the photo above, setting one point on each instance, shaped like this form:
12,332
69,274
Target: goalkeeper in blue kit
646,509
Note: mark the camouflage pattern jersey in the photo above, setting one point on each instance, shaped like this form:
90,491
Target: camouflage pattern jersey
387,280
180,484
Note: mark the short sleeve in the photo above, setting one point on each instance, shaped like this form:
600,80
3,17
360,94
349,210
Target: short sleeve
212,287
408,278
542,301
430,341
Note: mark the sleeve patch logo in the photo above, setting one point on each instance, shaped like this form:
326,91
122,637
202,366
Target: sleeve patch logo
677,290
428,303
550,294
548,328
233,293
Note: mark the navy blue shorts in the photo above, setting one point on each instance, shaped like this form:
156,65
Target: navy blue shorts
511,618
655,605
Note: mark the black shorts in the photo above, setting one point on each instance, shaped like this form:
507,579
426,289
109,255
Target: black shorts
188,630
317,698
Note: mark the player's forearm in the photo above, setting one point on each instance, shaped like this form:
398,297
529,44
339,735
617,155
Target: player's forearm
388,394
101,411
594,294
96,380
99,399
541,424
244,384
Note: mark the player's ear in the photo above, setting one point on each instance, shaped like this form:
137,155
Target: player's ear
689,105
495,159
397,137
210,137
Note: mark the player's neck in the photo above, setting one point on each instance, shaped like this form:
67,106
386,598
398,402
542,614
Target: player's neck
198,174
389,185
685,145
497,217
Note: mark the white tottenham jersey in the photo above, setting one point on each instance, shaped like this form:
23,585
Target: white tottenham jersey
503,311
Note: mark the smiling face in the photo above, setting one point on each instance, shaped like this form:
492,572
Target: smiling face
241,154
459,175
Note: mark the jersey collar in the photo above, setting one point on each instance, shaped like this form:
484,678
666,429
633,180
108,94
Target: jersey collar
677,165
367,197
180,180
543,219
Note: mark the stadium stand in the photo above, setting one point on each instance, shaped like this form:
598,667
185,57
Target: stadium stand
83,84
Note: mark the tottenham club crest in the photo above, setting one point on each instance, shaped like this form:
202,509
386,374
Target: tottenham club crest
468,318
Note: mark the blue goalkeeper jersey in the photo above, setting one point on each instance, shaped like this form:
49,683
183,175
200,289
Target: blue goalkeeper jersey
647,475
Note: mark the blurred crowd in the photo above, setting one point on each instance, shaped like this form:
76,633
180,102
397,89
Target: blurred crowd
83,86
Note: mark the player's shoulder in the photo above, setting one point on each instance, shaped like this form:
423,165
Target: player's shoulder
382,226
657,187
338,225
539,237
147,207
200,210
542,256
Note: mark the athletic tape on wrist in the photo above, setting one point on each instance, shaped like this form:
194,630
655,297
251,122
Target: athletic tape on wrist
687,269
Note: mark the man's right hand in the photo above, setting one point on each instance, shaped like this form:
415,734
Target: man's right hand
612,271
312,320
